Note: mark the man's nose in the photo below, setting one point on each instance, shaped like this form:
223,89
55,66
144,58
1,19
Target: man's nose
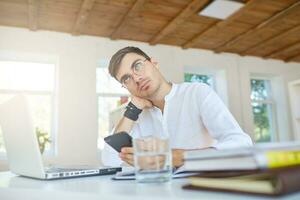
137,78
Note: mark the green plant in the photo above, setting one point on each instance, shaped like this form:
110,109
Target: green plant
261,111
198,78
43,139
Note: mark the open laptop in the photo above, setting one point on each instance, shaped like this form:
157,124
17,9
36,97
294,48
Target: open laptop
22,147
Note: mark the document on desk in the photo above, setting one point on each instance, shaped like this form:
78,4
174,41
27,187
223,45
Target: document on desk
127,173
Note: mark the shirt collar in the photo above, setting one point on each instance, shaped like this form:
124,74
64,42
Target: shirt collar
172,92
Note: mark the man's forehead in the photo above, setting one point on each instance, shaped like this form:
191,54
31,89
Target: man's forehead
130,58
126,62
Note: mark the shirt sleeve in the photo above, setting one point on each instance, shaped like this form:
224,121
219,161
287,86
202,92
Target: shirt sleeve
221,125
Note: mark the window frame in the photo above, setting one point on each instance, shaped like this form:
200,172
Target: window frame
101,65
270,101
53,96
219,77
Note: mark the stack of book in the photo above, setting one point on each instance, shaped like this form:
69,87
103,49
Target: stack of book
272,169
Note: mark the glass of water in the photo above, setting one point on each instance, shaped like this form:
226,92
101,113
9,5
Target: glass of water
152,159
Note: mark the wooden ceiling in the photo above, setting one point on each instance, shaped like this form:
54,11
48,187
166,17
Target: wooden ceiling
263,28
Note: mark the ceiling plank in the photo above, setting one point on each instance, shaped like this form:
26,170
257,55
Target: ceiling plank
275,17
280,36
191,42
82,16
33,8
294,7
137,6
293,58
289,48
220,24
193,7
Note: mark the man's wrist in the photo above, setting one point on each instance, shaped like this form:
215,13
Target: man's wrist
132,112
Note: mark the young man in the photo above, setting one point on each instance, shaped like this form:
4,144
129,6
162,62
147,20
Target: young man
191,114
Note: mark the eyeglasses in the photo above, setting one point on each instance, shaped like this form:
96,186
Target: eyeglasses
137,68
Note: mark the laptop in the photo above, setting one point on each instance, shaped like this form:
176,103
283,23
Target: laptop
22,147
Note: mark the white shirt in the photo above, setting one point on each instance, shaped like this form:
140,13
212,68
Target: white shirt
194,117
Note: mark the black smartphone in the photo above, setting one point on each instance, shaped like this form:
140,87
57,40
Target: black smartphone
119,140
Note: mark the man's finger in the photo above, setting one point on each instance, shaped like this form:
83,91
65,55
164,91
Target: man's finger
130,162
127,158
127,150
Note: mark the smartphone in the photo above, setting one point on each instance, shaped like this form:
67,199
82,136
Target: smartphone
119,140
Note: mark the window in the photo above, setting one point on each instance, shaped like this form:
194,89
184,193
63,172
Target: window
263,109
36,81
207,79
111,101
212,76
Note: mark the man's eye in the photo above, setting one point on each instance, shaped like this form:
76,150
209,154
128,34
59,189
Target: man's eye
138,66
126,79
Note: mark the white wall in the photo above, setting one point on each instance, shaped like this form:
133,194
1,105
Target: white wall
78,56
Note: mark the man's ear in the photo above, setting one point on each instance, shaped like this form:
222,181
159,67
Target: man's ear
154,62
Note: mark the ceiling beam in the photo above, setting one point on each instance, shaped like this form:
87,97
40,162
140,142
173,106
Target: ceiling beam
193,7
289,59
281,36
82,16
289,48
137,6
270,20
220,24
33,8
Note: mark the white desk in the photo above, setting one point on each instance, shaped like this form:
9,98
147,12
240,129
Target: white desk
102,187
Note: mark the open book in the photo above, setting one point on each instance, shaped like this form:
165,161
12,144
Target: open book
127,173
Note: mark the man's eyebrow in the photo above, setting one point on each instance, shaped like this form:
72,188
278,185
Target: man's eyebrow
132,65
123,77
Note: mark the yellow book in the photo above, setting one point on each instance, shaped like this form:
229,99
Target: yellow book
277,159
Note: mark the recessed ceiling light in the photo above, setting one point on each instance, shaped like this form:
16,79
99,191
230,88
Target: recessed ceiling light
221,9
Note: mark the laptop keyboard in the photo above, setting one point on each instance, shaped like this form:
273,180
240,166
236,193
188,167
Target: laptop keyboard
61,170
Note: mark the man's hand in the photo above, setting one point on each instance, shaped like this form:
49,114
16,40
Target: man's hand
146,162
141,103
127,156
177,157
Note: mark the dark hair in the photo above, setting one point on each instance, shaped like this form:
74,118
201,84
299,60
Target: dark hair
117,58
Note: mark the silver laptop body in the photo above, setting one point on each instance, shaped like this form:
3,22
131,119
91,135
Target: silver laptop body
22,147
